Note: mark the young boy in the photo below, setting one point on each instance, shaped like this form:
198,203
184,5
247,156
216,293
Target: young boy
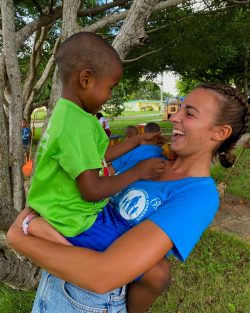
68,189
26,136
131,131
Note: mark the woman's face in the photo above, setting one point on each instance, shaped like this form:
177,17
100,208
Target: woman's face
193,126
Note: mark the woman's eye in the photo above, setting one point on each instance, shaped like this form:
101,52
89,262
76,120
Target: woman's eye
189,114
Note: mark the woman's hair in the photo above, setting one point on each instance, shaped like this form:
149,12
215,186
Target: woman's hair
233,111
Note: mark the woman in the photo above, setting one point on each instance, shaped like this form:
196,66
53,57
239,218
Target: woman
211,120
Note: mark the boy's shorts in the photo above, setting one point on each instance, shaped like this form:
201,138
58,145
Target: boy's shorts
26,148
107,228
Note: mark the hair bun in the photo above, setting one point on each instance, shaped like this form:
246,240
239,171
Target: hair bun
227,159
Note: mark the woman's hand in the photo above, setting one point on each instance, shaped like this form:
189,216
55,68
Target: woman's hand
38,227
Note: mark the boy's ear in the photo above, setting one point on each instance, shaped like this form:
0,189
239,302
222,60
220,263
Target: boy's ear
85,77
222,132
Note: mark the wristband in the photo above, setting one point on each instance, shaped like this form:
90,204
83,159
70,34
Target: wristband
26,222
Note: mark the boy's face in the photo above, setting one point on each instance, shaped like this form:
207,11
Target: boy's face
130,133
24,124
99,90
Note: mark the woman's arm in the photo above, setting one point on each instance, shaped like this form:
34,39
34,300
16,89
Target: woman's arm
131,255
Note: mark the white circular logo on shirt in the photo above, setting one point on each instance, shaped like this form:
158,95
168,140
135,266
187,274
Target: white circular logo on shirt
132,204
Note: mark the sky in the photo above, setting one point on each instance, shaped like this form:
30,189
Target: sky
169,80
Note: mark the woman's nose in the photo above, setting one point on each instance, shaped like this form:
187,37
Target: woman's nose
176,117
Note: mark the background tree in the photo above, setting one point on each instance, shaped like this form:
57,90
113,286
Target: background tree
209,42
145,90
115,106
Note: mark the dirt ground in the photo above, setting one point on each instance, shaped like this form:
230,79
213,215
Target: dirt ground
234,216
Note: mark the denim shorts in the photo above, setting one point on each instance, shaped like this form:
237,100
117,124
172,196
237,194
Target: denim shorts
57,296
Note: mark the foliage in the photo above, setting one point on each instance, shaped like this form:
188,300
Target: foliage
115,106
209,42
204,44
185,85
145,90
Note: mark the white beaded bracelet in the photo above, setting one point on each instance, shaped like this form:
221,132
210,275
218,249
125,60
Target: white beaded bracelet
26,222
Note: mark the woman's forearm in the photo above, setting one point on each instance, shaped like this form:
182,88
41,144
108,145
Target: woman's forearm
131,255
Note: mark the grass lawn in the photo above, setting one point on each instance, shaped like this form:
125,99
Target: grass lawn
118,125
239,182
38,115
134,113
216,278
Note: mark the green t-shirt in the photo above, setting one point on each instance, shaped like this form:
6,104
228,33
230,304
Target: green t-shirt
74,141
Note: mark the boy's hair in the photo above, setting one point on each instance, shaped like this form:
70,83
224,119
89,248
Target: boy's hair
132,129
85,50
99,115
152,128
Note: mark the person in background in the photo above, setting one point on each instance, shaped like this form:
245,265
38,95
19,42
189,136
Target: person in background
146,150
26,138
130,131
104,122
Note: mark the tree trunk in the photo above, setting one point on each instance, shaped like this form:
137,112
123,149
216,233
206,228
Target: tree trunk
16,105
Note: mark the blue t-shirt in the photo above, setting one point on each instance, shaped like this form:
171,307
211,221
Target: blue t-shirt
26,135
131,158
182,208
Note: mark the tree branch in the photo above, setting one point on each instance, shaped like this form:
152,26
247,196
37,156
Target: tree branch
23,34
39,8
143,56
36,89
34,61
102,8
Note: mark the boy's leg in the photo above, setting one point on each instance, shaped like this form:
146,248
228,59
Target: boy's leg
143,293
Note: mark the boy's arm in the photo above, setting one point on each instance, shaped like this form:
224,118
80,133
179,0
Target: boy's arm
127,145
111,169
94,187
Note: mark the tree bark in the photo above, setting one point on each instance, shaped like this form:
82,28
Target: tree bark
16,105
17,271
132,32
6,204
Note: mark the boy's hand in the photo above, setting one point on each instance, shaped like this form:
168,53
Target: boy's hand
150,169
